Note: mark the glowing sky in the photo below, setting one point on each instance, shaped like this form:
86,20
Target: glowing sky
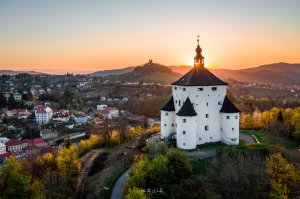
78,35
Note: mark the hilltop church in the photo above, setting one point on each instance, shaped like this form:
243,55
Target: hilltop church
199,110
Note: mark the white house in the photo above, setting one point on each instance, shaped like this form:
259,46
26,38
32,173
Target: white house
199,110
101,107
81,119
17,96
47,134
4,140
2,148
43,114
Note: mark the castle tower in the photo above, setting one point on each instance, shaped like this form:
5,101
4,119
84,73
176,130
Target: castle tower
229,122
167,124
186,126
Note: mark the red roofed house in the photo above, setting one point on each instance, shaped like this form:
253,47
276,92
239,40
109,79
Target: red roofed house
18,113
15,145
109,112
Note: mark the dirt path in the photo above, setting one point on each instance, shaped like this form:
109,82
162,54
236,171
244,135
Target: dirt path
88,160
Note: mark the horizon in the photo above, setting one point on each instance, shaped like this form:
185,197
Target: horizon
76,37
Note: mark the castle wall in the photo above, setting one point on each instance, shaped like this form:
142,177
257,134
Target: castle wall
167,123
207,104
230,128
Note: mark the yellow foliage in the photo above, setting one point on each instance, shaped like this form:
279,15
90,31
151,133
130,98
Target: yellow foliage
68,162
92,142
281,173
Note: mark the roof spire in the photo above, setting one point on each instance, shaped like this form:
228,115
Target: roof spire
198,59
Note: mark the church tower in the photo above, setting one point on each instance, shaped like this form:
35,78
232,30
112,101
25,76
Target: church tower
199,110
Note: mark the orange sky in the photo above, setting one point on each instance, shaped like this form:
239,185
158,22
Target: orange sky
80,37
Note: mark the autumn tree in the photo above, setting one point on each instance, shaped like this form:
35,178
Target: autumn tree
282,176
68,162
13,183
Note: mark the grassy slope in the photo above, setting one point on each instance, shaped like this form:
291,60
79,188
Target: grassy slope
272,140
266,141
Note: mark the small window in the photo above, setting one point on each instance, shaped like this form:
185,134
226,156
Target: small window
236,117
183,132
206,103
172,124
211,138
165,124
175,101
175,88
220,103
200,89
232,128
227,117
206,128
206,115
184,120
167,114
179,102
214,88
184,89
200,139
183,144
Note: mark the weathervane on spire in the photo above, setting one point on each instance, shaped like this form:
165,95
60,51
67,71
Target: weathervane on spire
198,39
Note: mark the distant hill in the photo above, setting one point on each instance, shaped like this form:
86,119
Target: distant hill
270,73
283,73
112,72
11,72
150,72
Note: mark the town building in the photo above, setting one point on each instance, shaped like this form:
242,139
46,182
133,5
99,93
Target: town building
199,110
48,134
109,112
17,96
15,145
4,140
81,119
2,148
43,114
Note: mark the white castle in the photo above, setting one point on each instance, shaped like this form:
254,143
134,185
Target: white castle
199,110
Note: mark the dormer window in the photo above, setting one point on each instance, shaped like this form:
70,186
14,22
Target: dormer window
227,117
214,88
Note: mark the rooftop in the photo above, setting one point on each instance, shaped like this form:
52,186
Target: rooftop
169,106
187,109
199,76
228,106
